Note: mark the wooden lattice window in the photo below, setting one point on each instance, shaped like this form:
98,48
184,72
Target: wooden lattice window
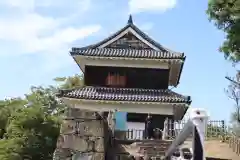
116,80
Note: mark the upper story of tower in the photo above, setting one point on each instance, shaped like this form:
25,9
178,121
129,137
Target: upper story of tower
129,59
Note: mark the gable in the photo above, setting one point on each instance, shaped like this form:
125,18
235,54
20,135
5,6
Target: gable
128,37
128,41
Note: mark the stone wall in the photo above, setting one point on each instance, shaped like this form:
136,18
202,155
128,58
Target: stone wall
83,133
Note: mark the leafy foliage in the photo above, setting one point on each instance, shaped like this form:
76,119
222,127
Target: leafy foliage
45,97
70,82
226,16
233,92
29,127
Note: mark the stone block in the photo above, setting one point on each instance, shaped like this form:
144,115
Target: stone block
83,128
89,156
81,133
62,154
75,113
81,143
122,157
68,127
99,145
91,128
98,156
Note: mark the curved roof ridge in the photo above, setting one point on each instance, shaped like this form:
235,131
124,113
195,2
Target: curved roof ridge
148,38
138,31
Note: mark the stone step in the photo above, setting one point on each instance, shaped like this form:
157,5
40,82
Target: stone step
162,148
156,158
154,142
151,145
151,150
156,154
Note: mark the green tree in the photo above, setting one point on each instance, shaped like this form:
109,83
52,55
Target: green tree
70,82
7,107
45,97
226,16
233,93
10,149
29,127
35,131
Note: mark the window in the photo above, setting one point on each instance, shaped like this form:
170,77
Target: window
116,80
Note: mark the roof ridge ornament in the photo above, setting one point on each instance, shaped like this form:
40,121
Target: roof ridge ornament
130,21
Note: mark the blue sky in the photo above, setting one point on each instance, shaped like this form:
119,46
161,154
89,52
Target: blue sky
36,35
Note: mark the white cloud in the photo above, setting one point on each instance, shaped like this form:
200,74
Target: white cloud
59,38
34,32
27,31
30,5
137,6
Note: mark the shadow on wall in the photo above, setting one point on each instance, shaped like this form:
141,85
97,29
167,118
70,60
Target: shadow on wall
121,120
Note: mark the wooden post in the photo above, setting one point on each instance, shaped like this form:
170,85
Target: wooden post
223,131
165,129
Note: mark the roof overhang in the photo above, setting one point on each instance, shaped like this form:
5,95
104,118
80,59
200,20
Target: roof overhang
174,65
131,28
176,109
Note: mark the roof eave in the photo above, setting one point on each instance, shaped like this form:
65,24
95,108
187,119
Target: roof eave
130,58
62,94
123,102
78,64
181,69
184,112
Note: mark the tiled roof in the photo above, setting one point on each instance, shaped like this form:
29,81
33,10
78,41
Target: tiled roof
125,94
130,24
129,53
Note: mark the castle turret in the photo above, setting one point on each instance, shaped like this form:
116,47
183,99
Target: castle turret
129,72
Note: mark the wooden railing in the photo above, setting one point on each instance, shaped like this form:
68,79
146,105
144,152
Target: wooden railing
214,130
134,134
234,143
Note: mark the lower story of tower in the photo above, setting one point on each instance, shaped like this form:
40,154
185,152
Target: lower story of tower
137,103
